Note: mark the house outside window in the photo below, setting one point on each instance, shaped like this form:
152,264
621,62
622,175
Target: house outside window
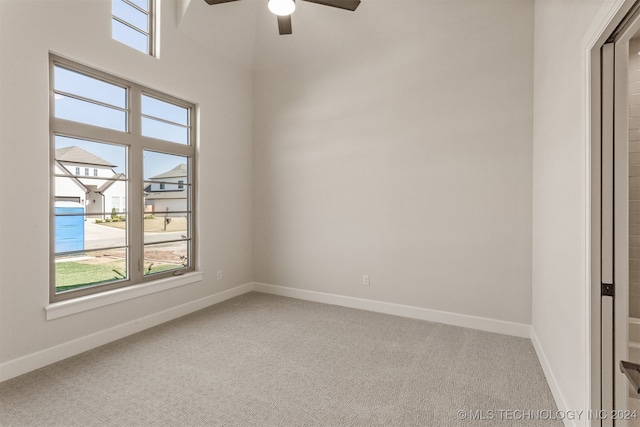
115,203
133,23
116,237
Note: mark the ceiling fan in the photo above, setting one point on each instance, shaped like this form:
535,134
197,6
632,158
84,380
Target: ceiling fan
284,8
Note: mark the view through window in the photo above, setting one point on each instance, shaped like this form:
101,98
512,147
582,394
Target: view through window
122,196
132,23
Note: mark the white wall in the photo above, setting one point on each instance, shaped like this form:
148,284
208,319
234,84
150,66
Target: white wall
563,30
396,142
219,81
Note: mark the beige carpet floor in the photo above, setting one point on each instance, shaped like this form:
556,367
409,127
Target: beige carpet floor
263,360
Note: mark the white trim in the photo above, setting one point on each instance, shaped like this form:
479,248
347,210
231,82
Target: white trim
455,319
600,29
89,302
556,391
42,358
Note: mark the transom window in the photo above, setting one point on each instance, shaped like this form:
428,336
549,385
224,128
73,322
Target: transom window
114,227
132,23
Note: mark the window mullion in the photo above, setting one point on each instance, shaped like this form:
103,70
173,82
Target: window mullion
151,40
135,200
82,130
135,111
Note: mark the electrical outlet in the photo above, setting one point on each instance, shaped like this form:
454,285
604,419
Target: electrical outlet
365,280
219,275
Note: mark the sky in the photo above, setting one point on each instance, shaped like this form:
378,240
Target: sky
136,39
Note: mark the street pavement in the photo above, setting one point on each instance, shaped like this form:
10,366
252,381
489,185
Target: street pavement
100,236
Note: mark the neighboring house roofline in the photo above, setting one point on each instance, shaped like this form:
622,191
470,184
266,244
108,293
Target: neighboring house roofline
111,181
77,155
179,171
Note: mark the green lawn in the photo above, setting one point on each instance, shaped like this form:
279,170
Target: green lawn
76,274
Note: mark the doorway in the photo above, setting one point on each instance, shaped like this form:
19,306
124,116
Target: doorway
616,216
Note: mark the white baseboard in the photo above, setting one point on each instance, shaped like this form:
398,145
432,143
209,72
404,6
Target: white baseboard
455,319
30,362
551,380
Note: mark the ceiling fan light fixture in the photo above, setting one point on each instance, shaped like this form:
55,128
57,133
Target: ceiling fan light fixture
281,7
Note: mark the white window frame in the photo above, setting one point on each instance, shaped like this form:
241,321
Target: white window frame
136,144
151,34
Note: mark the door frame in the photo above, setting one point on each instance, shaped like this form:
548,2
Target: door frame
612,21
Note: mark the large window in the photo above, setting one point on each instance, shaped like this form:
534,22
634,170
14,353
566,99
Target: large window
132,23
114,228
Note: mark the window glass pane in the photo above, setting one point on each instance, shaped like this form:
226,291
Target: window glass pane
89,113
161,130
89,269
130,14
88,87
165,257
84,205
90,237
166,194
129,36
143,4
164,110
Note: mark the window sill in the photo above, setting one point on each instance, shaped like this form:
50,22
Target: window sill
89,302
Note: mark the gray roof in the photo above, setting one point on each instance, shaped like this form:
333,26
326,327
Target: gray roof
75,154
177,172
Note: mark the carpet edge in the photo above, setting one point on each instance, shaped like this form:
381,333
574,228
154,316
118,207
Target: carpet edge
30,362
454,319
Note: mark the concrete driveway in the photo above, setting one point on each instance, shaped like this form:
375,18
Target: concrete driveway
101,236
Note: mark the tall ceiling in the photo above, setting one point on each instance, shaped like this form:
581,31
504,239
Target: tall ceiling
227,29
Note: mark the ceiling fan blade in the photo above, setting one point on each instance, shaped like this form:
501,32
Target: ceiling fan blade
218,1
284,24
341,4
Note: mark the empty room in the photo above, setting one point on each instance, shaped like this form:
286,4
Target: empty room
319,212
